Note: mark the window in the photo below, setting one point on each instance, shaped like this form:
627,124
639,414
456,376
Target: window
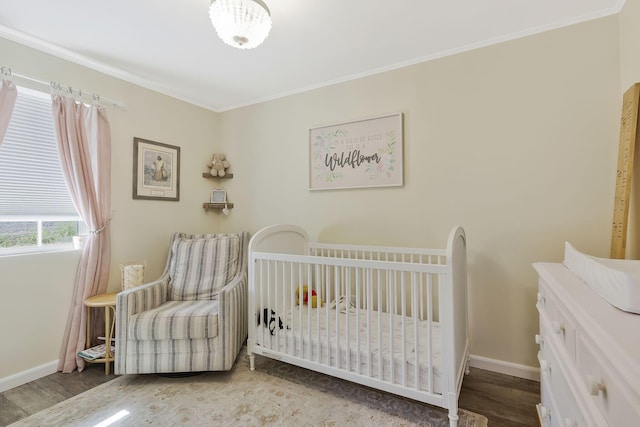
36,211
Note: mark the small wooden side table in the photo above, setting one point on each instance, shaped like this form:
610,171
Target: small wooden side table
108,302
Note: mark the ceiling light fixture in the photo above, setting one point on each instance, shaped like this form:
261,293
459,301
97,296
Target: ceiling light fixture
244,24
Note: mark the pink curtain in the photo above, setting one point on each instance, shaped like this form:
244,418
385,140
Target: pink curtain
8,94
84,142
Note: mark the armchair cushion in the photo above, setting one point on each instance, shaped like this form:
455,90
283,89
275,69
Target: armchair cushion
176,320
201,267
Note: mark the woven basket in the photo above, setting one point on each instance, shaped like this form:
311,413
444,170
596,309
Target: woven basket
132,275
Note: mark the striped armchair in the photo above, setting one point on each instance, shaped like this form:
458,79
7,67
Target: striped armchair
194,317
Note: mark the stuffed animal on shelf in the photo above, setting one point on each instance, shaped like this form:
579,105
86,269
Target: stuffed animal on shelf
218,164
308,297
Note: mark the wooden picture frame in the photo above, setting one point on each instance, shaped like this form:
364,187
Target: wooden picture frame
156,170
358,154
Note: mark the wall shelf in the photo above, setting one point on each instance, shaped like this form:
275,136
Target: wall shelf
208,175
218,206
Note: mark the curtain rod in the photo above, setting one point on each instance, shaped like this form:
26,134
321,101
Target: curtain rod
55,86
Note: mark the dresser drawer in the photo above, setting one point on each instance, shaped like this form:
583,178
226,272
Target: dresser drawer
562,403
546,409
561,324
549,414
604,386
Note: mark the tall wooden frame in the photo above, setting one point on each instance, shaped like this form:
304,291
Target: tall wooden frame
626,150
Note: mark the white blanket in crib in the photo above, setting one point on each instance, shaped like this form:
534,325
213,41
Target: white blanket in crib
374,340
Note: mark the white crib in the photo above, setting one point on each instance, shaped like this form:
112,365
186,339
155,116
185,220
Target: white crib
394,319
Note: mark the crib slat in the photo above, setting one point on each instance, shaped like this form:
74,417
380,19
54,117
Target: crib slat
338,294
369,295
277,272
347,321
287,301
416,336
357,331
306,308
327,295
404,329
316,335
392,299
262,304
259,315
430,331
298,306
380,309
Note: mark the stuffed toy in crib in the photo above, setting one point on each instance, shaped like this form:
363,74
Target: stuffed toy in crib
269,318
315,301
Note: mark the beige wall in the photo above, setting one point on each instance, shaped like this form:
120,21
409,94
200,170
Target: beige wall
37,288
516,142
33,308
629,43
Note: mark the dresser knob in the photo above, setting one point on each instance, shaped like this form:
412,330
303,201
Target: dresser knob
594,386
544,412
558,327
544,364
539,339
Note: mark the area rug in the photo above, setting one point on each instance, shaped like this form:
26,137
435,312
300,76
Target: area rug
275,394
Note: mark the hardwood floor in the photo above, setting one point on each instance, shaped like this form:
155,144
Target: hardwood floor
29,398
505,400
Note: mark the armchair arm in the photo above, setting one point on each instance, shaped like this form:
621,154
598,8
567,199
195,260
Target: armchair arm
234,317
144,297
132,301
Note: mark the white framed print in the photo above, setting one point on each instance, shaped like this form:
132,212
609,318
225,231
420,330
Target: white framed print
357,154
219,195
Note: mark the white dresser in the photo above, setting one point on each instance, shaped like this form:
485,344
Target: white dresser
589,355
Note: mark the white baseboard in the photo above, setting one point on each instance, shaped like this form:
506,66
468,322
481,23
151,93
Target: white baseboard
24,377
507,368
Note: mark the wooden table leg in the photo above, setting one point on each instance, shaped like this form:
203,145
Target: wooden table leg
87,328
108,302
107,339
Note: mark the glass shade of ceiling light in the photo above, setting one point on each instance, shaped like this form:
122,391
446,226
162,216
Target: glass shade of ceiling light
243,24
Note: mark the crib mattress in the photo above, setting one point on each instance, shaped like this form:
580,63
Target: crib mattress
379,345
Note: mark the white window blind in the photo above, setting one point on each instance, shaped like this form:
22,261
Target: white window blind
31,182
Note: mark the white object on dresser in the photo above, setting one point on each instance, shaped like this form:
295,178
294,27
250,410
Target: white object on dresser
589,354
616,280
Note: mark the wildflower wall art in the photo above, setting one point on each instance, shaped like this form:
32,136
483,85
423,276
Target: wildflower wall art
363,153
